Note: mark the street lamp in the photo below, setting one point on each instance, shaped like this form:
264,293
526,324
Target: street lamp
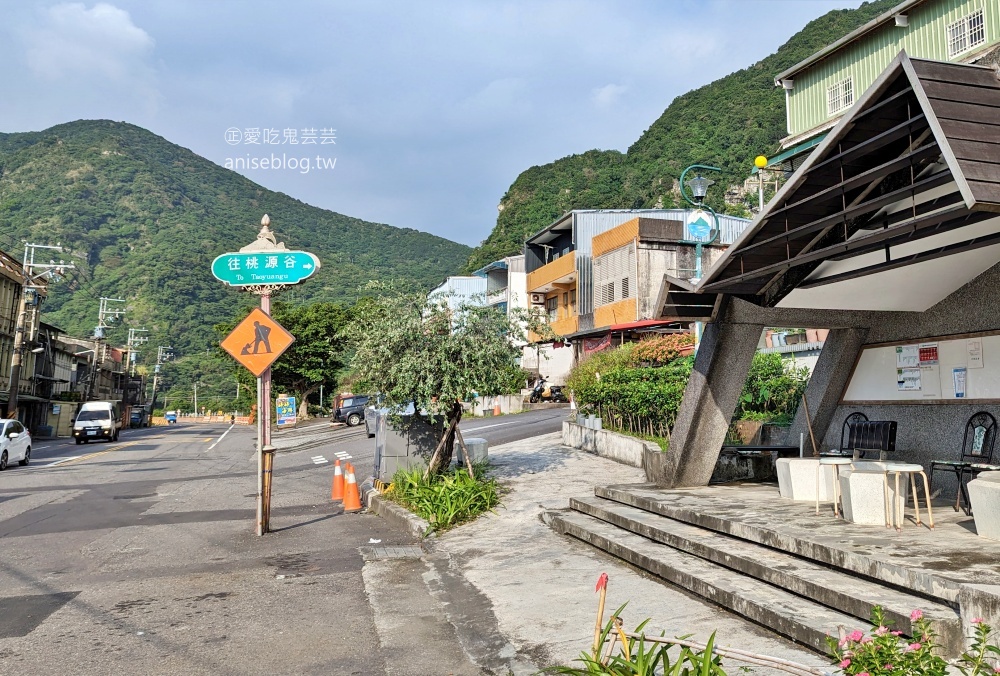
699,186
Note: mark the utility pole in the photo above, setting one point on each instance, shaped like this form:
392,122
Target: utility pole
106,316
29,297
163,353
134,341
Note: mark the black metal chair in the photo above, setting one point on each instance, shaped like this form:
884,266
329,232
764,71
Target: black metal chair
871,436
977,455
845,431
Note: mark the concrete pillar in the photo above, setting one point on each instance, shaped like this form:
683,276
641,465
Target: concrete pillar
827,384
720,370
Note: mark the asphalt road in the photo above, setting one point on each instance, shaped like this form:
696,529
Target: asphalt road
138,556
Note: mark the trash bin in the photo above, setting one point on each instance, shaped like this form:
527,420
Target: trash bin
478,450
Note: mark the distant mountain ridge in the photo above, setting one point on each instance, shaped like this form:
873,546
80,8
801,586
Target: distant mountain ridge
725,124
144,218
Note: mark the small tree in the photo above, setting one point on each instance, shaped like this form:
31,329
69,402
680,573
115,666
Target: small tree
317,354
434,354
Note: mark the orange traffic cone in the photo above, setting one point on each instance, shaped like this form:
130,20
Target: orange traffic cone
352,499
337,492
496,408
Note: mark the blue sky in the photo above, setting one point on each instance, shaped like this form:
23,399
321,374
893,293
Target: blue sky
435,107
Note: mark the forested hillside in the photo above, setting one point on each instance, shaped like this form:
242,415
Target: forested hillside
143,218
726,124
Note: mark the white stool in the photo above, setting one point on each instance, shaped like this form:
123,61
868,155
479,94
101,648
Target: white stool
835,463
899,505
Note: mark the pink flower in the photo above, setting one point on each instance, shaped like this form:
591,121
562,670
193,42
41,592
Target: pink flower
913,646
863,673
996,670
845,664
977,620
888,667
855,635
896,633
882,631
917,615
866,639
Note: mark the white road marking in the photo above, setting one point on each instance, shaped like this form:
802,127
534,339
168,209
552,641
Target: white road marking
220,438
486,427
56,461
319,460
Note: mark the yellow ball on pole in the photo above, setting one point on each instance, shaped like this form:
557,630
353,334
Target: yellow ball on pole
760,161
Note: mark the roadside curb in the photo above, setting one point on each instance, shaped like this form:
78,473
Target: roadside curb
396,516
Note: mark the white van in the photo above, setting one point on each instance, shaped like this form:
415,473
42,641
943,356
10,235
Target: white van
98,420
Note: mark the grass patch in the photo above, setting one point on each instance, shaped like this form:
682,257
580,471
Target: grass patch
448,499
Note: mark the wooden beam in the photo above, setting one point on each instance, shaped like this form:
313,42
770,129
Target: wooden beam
901,130
834,191
933,181
913,259
961,216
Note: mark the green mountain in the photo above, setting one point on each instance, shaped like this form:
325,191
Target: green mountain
143,219
725,124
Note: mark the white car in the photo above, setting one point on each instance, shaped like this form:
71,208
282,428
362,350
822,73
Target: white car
15,444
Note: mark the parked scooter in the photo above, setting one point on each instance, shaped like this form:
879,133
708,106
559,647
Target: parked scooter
545,392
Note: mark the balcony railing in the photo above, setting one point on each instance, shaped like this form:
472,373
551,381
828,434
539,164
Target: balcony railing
559,269
497,297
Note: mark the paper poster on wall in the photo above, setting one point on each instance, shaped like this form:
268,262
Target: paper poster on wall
975,349
930,381
928,354
908,379
907,357
958,376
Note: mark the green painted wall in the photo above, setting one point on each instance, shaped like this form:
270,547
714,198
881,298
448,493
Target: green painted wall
866,58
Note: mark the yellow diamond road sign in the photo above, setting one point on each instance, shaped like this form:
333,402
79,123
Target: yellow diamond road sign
257,341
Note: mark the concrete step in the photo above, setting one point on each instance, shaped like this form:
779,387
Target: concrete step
922,581
785,613
830,587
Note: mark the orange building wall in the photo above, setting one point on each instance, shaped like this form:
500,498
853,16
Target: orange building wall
620,312
615,237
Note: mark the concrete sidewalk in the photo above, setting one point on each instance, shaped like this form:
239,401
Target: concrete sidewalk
539,586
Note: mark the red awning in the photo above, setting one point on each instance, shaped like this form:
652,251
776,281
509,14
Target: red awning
642,324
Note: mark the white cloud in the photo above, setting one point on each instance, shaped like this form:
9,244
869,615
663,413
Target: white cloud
75,41
608,95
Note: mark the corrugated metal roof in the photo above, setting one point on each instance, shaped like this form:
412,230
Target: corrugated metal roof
857,33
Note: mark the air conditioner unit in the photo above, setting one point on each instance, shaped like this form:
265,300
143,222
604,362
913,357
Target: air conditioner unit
538,299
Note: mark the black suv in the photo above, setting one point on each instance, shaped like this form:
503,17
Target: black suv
352,410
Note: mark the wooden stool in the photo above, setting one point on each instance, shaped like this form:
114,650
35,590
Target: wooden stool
835,463
899,507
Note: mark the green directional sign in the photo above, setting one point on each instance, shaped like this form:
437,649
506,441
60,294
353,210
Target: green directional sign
264,267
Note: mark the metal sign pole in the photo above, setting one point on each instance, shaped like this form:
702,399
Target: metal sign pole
263,267
260,459
267,451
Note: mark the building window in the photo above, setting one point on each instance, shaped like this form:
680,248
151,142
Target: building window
966,33
552,308
614,275
839,96
572,300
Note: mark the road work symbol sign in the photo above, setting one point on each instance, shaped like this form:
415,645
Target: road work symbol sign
257,341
